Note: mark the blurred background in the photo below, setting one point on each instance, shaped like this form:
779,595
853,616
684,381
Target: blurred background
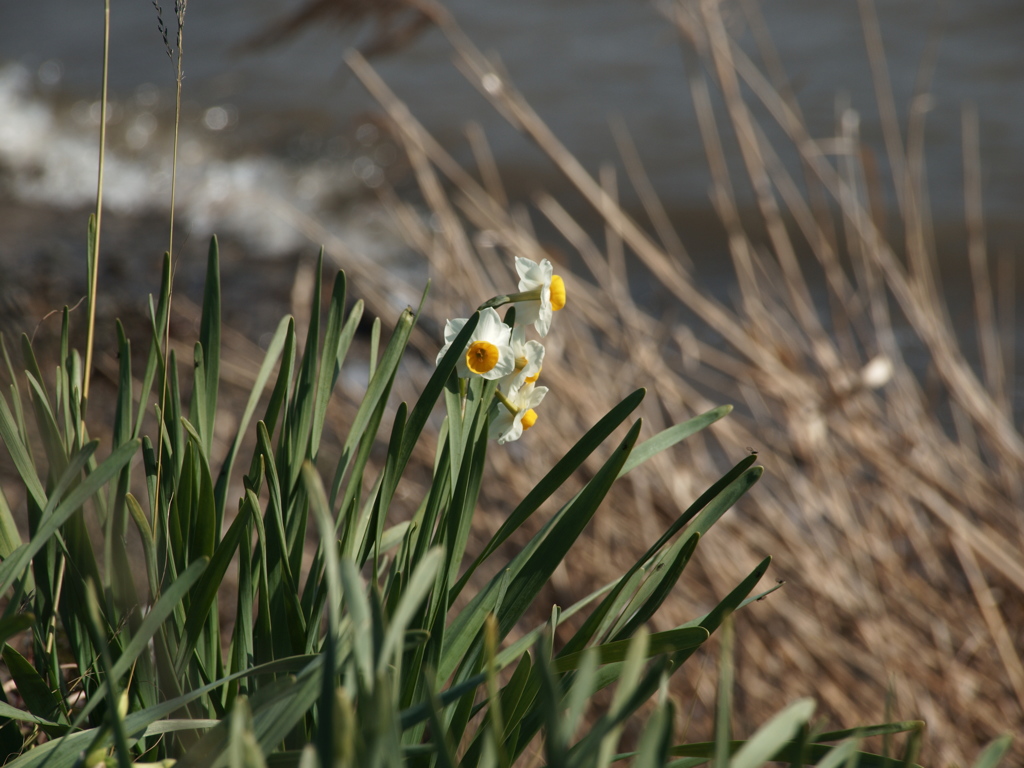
892,496
290,118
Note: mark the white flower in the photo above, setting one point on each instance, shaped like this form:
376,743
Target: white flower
489,350
529,358
547,293
514,414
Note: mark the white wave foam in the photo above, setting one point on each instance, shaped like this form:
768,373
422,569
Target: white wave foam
50,156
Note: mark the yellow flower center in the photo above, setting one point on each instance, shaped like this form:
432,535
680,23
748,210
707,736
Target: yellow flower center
481,357
529,419
557,292
533,379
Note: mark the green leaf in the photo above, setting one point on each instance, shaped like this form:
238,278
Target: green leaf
158,324
670,641
656,739
66,751
10,537
274,349
536,571
13,625
421,583
794,752
554,479
773,735
722,502
669,437
12,437
6,710
840,756
209,339
867,731
33,690
659,586
373,402
336,342
296,438
56,514
205,593
151,624
613,603
53,443
723,704
993,754
362,625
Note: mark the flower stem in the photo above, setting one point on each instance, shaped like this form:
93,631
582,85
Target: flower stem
506,402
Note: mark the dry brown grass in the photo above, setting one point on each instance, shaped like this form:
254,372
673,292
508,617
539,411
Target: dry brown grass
892,500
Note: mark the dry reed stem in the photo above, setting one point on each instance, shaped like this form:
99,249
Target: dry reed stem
889,529
869,503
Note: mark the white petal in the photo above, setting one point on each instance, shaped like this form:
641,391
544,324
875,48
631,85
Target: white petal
543,321
527,312
535,397
533,275
491,329
524,266
452,328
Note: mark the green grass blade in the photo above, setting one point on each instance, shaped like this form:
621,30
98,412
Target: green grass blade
864,732
732,601
56,514
34,691
669,437
993,754
270,360
840,756
336,341
773,735
652,752
158,323
373,402
360,613
794,753
210,339
205,593
421,583
53,443
6,710
277,404
569,463
549,554
151,624
149,549
12,436
13,625
659,586
298,427
114,711
10,537
718,506
670,641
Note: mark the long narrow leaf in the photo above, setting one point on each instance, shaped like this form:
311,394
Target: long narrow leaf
13,566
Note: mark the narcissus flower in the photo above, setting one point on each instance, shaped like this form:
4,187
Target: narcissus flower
514,413
529,357
489,351
540,293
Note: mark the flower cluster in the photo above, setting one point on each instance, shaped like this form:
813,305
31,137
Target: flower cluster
496,352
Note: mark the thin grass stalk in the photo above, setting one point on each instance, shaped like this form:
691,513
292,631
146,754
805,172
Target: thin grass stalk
179,9
1009,652
94,249
993,364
